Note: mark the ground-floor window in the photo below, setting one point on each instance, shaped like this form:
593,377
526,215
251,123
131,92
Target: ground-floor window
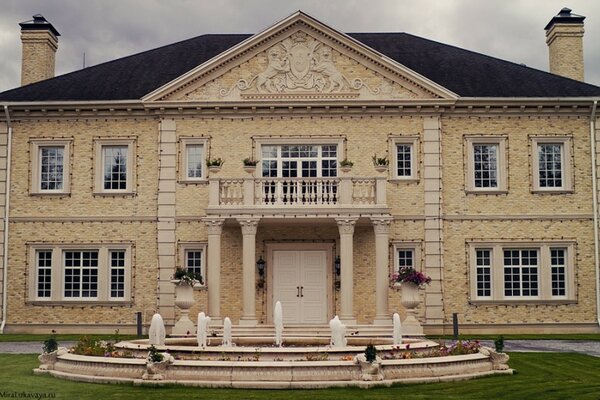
192,256
522,272
80,273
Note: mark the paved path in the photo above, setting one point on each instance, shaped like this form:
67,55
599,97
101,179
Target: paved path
578,346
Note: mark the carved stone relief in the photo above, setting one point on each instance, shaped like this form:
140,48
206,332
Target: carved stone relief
301,67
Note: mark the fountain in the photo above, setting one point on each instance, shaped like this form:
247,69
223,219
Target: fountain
156,333
202,336
226,333
251,360
338,332
397,337
278,320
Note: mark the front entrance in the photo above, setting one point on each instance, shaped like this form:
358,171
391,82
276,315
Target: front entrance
300,283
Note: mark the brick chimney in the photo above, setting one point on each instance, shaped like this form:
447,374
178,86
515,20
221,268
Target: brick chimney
564,36
40,41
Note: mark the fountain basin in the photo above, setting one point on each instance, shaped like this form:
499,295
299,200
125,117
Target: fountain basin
274,367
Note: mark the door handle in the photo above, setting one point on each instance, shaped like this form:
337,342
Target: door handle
298,291
301,289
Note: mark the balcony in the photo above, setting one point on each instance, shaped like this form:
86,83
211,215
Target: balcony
297,195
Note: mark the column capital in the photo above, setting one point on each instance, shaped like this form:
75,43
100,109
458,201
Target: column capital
381,225
214,225
346,225
249,225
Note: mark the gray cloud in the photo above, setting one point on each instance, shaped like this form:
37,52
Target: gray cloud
108,29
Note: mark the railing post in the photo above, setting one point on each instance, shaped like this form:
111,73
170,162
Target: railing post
380,190
213,191
249,191
346,190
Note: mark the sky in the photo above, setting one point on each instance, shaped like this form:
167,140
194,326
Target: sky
107,29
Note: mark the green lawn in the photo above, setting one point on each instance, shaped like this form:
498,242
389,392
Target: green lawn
26,337
539,376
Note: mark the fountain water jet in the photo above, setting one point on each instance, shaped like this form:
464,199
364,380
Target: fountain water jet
397,330
278,320
202,336
338,332
227,333
157,333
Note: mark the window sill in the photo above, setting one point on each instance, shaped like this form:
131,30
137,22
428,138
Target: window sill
50,194
79,303
115,194
203,181
404,180
487,192
553,191
523,302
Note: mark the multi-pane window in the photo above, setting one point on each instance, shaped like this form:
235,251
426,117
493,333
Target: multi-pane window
485,165
299,161
115,167
81,274
483,272
404,160
117,273
535,272
558,264
193,262
550,169
520,272
51,164
44,273
406,258
194,160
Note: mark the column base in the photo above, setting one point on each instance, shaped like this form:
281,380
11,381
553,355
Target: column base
382,320
184,327
411,327
248,321
348,320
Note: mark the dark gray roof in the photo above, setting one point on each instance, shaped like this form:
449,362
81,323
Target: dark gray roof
464,72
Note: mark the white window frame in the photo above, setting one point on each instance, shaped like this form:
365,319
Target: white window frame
36,164
99,145
413,142
567,163
406,245
544,271
502,164
184,142
299,140
58,273
184,247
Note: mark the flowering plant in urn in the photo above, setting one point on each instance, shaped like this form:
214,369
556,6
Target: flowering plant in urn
409,274
191,277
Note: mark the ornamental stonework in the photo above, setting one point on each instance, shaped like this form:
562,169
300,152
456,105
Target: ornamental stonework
302,67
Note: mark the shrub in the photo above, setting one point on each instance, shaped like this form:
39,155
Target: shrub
50,344
499,344
154,355
371,353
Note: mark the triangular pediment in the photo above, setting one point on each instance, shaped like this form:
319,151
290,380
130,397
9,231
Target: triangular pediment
299,59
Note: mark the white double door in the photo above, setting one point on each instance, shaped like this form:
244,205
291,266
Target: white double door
300,284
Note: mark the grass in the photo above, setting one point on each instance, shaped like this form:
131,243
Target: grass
539,376
526,336
25,337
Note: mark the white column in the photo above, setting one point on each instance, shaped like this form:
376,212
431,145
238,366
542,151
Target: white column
213,273
346,228
249,227
381,226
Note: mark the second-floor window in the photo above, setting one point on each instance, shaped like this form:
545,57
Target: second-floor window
115,166
50,166
299,161
114,159
551,162
486,164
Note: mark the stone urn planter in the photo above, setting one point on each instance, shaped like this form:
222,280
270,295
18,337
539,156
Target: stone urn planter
47,360
157,371
250,169
184,299
410,299
214,169
370,371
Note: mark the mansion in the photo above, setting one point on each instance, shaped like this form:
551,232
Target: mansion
302,165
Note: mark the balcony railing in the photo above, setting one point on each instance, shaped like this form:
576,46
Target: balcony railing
294,192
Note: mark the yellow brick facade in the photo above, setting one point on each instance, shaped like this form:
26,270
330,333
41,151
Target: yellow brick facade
436,213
